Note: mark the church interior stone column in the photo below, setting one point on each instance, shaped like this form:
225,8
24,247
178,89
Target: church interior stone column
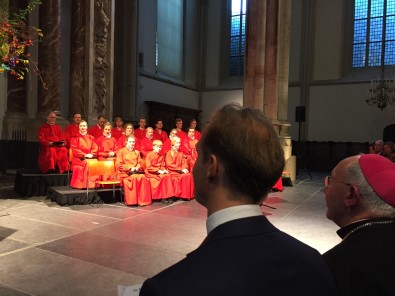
266,72
77,102
49,58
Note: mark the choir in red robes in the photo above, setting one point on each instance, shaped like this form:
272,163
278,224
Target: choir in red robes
96,131
161,183
105,146
53,152
81,146
117,132
139,133
70,131
160,135
189,149
146,146
137,188
182,180
121,142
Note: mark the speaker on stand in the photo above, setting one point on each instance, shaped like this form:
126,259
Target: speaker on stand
300,116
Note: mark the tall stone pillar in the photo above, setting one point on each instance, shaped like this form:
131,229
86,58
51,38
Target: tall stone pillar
91,58
102,48
78,99
49,58
267,61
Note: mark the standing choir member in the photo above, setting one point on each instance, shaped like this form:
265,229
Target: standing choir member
137,188
180,133
160,180
193,124
84,148
53,151
129,131
159,133
189,148
72,129
167,144
178,168
118,129
146,144
97,130
139,133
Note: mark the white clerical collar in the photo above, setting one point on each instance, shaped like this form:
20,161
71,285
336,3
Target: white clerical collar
99,126
108,137
84,134
232,213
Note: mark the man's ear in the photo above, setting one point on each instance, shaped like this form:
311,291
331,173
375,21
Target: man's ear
212,168
354,197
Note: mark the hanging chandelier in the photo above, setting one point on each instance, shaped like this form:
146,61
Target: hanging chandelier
381,92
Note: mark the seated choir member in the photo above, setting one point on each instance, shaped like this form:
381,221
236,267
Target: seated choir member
146,142
117,130
97,130
72,129
177,166
83,147
167,144
129,131
107,145
137,188
53,152
159,133
159,177
189,148
193,124
139,132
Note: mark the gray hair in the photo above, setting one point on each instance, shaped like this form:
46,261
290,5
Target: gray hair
369,198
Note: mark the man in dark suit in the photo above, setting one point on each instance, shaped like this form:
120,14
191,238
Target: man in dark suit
360,196
243,253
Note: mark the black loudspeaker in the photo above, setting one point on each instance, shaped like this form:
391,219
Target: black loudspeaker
300,114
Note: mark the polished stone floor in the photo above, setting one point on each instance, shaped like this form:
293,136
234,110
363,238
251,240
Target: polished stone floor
46,249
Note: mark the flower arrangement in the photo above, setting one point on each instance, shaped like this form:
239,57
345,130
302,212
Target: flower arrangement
15,38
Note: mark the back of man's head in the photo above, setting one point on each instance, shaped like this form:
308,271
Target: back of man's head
248,147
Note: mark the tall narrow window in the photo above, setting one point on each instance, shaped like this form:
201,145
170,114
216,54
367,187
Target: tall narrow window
169,47
374,33
237,37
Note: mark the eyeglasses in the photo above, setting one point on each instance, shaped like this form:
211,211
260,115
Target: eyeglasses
328,180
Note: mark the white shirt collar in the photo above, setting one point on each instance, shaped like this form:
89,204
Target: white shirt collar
230,214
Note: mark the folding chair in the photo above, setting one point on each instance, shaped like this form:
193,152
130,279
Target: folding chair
102,168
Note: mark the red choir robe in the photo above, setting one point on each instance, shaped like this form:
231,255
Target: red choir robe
80,146
139,133
188,147
197,135
137,188
161,185
182,182
162,136
166,146
146,146
96,131
52,155
117,132
121,142
182,135
71,130
105,146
